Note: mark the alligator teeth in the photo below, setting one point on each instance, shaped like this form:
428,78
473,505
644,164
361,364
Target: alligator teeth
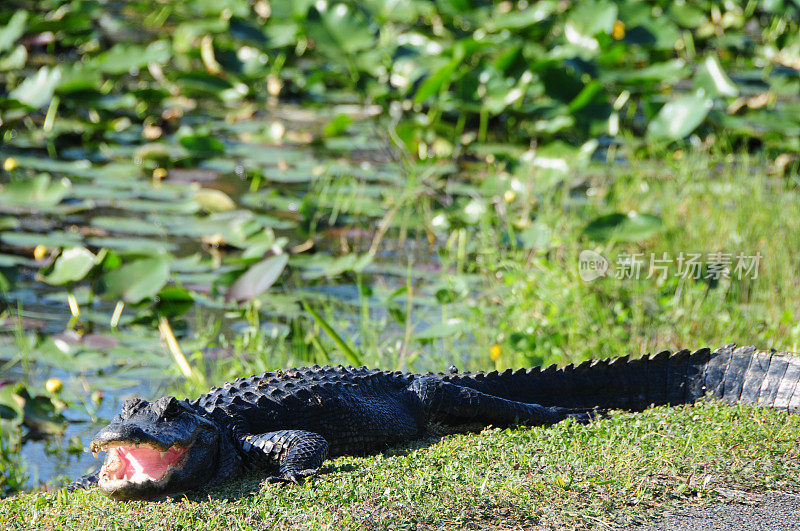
163,453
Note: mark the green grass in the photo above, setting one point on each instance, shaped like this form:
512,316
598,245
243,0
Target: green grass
706,204
624,469
530,299
11,474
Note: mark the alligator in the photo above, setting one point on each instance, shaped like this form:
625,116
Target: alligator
286,423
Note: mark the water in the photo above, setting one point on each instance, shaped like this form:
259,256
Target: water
205,214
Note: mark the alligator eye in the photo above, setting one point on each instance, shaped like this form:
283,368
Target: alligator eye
168,406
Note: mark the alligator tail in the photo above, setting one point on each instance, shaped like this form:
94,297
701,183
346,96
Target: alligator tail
743,374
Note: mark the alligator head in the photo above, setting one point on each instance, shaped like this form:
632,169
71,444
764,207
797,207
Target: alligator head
156,449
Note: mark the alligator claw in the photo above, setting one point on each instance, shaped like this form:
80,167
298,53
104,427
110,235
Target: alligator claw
84,482
272,480
581,416
292,477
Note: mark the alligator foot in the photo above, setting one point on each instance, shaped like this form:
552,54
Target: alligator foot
581,416
296,477
84,482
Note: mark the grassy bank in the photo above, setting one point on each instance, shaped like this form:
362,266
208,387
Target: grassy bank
403,185
624,469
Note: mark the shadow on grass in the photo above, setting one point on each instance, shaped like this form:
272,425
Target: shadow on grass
252,483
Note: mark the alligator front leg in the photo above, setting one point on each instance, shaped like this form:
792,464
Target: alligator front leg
84,482
296,454
449,406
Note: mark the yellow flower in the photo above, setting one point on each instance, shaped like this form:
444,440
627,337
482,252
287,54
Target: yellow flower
618,31
510,196
10,164
495,352
39,252
159,174
53,385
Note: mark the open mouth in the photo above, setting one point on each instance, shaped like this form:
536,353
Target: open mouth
139,463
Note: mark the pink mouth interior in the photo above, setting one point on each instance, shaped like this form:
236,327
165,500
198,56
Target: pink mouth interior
139,464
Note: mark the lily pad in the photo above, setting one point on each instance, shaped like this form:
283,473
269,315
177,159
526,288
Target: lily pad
40,191
258,278
712,78
73,264
123,57
339,30
630,227
440,331
37,90
137,280
680,117
174,301
212,200
13,30
29,240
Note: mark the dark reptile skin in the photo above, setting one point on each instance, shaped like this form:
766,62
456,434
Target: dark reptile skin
290,421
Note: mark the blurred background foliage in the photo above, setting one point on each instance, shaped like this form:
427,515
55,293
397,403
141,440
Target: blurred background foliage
192,191
446,70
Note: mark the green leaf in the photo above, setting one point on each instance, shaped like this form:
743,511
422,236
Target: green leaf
212,200
39,191
258,278
324,265
37,90
586,20
667,72
440,331
174,301
593,17
348,351
202,84
629,227
79,77
586,96
433,85
123,58
73,264
713,79
338,125
202,145
137,280
40,414
339,30
32,239
397,10
687,15
13,30
14,60
680,117
128,225
10,404
516,20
